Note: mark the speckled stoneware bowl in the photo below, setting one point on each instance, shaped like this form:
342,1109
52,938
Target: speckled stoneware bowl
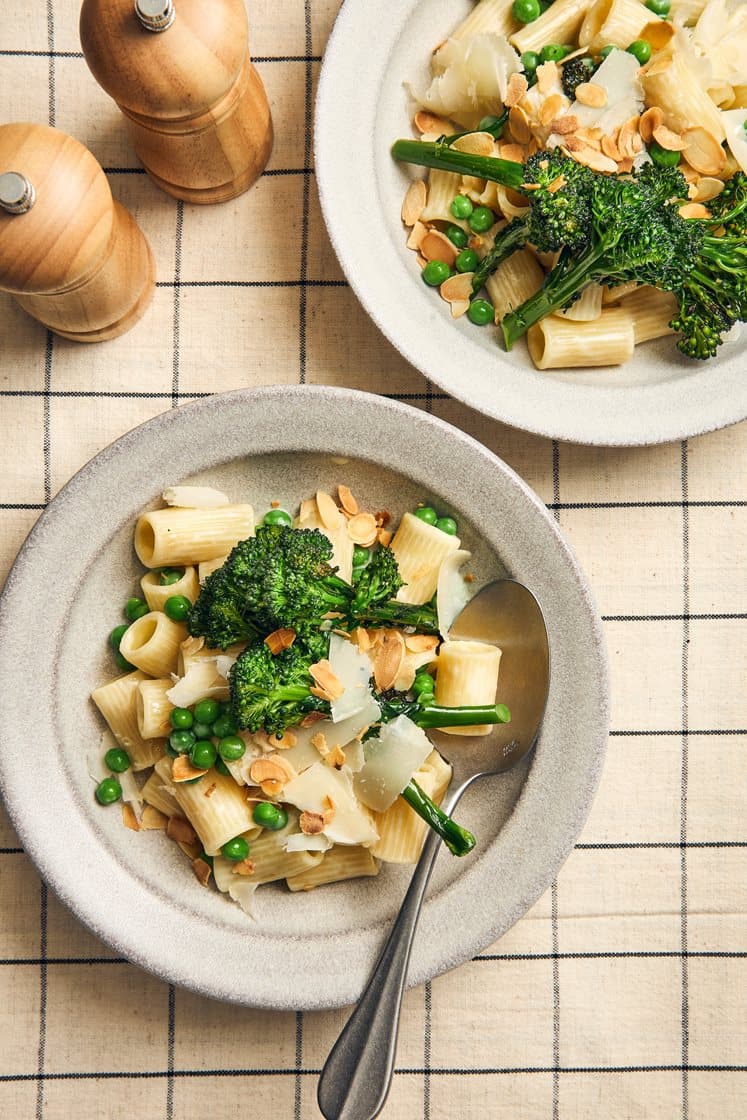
362,107
64,595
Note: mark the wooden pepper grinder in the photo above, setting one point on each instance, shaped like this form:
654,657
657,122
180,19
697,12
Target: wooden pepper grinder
72,257
180,71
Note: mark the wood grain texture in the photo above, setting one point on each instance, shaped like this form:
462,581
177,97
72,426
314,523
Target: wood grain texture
196,110
77,260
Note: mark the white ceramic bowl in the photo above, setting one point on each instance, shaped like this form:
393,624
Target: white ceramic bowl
65,593
362,107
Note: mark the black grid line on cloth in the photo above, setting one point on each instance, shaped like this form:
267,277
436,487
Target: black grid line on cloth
554,924
170,1047
305,198
52,54
684,778
427,1048
298,1066
176,321
269,172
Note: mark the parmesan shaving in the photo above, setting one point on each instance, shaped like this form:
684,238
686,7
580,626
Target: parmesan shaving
300,842
353,669
312,791
452,593
471,77
201,680
195,497
391,760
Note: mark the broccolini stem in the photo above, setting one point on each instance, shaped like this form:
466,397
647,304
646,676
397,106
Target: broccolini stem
440,155
506,243
560,286
423,618
457,839
436,716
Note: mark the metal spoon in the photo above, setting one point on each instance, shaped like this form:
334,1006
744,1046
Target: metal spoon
357,1074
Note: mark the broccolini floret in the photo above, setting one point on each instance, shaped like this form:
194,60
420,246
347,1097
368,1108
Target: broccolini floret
575,73
272,691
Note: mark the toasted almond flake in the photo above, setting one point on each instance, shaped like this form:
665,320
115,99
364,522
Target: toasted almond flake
202,871
707,188
519,125
515,152
129,820
361,638
589,93
383,516
210,790
153,818
180,830
384,536
694,210
625,166
362,529
388,660
429,122
550,108
320,693
590,157
625,138
610,148
669,140
457,287
335,757
279,640
436,246
311,824
182,770
325,678
658,33
572,144
328,510
191,851
307,510
319,742
272,788
562,126
347,500
414,202
515,90
475,144
588,135
275,504
312,718
651,119
244,867
273,768
458,307
703,151
418,643
286,740
547,76
418,232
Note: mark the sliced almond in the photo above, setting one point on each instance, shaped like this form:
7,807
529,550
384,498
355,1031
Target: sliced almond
625,137
429,122
362,529
182,770
383,516
419,643
597,161
625,166
210,790
311,824
515,90
319,743
669,140
244,867
285,741
361,638
610,148
703,151
153,818
320,693
191,851
414,202
550,108
562,126
694,210
307,510
274,768
202,871
588,136
517,153
328,510
418,232
457,287
475,144
436,246
519,125
547,76
325,678
335,757
129,820
589,93
279,640
347,501
651,119
707,188
384,536
180,830
658,33
572,144
312,718
388,661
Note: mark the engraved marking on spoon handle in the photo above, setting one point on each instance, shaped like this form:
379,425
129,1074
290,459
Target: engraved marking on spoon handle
357,1074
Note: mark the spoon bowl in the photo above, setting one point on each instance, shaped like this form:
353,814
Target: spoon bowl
355,1080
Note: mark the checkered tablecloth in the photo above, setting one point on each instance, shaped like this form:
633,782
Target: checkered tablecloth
621,994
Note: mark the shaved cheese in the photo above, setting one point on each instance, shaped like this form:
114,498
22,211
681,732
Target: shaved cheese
470,77
411,662
355,756
391,760
300,842
313,791
131,792
195,497
352,668
720,36
452,594
736,137
619,76
241,890
201,680
342,734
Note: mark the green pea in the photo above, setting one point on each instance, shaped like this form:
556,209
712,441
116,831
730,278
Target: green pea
203,754
461,206
224,725
123,663
457,236
526,11
277,517
269,816
466,261
117,634
659,7
207,710
221,767
117,760
231,748
177,607
167,576
135,608
236,849
361,556
170,750
640,49
427,514
201,730
423,683
605,51
481,219
182,741
435,272
108,791
481,312
530,60
181,719
662,156
447,525
554,52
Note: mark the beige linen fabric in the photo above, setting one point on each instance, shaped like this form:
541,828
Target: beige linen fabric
620,996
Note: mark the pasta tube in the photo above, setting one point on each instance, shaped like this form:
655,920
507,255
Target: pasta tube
652,311
443,186
154,709
555,343
488,17
152,643
117,702
614,22
515,280
560,23
670,83
419,549
156,593
401,831
467,675
216,808
158,790
187,536
334,866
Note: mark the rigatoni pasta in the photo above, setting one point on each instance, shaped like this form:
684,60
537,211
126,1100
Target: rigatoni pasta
188,536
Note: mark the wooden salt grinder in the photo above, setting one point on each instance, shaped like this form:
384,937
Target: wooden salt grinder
73,257
180,71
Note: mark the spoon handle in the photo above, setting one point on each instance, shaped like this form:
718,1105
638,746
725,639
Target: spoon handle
357,1074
